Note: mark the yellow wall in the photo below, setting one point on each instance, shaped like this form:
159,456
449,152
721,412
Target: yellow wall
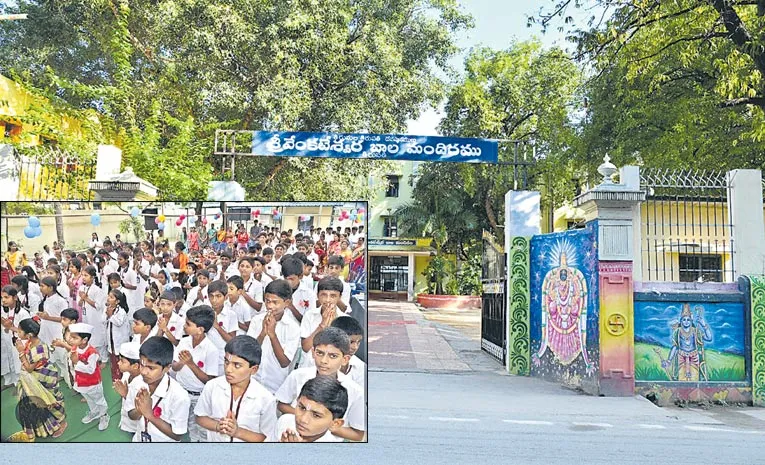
420,283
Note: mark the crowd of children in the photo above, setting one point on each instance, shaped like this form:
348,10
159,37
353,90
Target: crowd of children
241,338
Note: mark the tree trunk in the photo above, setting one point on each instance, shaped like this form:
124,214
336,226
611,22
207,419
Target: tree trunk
59,223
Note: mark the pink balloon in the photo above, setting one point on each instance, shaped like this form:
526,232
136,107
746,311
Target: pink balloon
182,217
178,222
361,210
257,211
204,220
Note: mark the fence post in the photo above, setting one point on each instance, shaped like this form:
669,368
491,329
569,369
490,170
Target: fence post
613,207
522,220
746,213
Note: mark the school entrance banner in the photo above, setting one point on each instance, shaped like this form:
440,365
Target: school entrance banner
382,146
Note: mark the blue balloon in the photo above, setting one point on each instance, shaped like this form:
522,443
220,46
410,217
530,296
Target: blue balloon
37,231
161,226
34,221
29,232
135,212
353,216
193,220
95,219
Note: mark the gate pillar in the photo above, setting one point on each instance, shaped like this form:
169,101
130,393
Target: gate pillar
522,220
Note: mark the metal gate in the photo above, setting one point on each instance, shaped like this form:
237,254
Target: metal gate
48,173
493,299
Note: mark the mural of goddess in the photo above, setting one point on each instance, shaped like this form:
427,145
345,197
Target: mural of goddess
564,314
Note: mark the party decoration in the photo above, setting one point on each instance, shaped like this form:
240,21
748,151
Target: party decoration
161,226
156,220
95,219
217,216
29,232
178,222
37,231
193,219
361,210
182,217
204,221
161,218
257,212
134,212
34,222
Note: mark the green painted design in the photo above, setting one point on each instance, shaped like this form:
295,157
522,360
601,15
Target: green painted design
758,339
520,311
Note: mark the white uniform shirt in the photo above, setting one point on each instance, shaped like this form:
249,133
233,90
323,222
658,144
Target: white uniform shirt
355,415
175,325
271,374
304,299
30,302
174,402
287,421
126,424
311,321
95,315
257,408
181,312
230,271
194,298
117,330
50,330
228,321
137,337
358,371
205,353
274,269
242,310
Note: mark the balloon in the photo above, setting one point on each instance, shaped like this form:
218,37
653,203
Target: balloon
37,231
95,219
178,222
257,212
275,212
354,211
156,220
34,221
361,210
192,219
134,212
353,216
29,232
204,220
161,218
182,217
217,216
161,226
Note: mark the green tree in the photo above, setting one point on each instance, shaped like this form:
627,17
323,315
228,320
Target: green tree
170,72
674,84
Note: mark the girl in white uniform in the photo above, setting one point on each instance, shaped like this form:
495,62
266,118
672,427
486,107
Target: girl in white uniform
12,314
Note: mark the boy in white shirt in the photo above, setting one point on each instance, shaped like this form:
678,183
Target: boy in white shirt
331,350
226,269
181,306
198,294
144,325
251,271
318,319
169,323
303,298
130,367
321,405
87,375
274,267
235,407
356,368
236,302
278,334
335,266
195,362
225,323
161,405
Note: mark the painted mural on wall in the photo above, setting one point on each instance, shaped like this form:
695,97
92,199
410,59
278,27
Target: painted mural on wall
564,305
690,342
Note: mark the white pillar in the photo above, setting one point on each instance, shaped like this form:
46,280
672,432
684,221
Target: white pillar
108,162
410,278
746,213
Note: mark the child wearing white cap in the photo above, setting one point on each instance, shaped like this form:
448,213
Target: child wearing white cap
131,382
87,375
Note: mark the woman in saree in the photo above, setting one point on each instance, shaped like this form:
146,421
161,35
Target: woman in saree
38,417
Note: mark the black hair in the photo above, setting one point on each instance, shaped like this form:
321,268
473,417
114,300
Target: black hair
168,295
57,269
268,251
237,281
30,326
300,256
179,245
328,392
247,259
246,347
114,277
292,267
202,316
29,272
308,262
145,316
157,349
330,283
91,270
226,254
21,281
217,286
13,292
204,273
336,260
178,293
279,287
333,337
260,260
121,299
348,324
71,314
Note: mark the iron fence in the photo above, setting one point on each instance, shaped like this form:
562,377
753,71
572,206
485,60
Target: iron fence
49,173
687,233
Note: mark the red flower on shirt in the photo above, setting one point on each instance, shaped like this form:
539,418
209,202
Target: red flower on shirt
200,364
172,328
305,303
157,411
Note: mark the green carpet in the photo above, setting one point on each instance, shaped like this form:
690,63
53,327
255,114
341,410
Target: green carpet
75,411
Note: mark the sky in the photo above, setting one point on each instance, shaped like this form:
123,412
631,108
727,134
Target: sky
497,23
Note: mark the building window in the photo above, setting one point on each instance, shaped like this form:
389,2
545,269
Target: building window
305,225
390,228
392,190
388,274
706,267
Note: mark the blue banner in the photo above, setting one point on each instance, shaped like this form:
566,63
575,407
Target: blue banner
380,146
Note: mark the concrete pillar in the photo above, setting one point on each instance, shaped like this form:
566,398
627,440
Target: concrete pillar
616,207
522,220
746,213
410,278
108,162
